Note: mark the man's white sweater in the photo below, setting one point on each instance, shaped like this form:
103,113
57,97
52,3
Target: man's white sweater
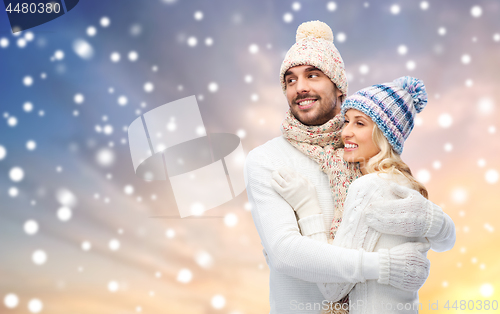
297,263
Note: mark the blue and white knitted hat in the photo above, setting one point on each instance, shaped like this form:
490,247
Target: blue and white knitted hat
392,106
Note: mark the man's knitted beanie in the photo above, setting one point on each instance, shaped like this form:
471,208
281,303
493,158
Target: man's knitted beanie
314,46
392,106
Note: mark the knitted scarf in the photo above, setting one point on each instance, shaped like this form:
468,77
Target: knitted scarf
323,144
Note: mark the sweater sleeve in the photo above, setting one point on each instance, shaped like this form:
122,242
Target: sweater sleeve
314,228
289,252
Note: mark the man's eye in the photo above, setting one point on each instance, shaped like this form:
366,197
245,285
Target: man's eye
290,80
313,75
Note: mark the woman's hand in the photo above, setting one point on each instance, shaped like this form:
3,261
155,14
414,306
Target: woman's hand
297,191
405,266
410,215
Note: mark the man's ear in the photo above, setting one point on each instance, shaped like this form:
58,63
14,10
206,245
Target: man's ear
339,93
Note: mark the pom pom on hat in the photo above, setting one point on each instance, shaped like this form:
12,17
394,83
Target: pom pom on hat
316,29
416,89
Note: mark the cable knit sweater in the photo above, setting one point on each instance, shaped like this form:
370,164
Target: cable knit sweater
371,296
299,263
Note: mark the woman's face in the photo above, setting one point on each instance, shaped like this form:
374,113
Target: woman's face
357,138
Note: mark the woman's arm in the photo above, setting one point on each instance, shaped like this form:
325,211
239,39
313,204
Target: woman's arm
445,239
412,215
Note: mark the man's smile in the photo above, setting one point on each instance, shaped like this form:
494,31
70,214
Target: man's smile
306,103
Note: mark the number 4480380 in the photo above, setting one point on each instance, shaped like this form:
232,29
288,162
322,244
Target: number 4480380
472,305
34,8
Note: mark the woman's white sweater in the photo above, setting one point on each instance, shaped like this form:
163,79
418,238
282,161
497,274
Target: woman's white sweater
371,296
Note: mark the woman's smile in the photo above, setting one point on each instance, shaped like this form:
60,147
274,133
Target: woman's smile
350,146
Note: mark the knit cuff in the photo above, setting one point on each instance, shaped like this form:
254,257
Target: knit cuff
385,266
446,236
312,224
436,221
397,266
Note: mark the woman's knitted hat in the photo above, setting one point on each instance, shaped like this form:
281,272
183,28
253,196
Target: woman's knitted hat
392,106
314,46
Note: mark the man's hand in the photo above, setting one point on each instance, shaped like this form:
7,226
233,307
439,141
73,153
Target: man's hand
412,215
297,191
405,266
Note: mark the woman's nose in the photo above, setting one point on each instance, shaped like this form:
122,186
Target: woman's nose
346,132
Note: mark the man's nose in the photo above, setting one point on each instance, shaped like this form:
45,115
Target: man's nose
302,85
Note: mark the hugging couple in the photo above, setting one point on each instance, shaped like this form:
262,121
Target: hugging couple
344,224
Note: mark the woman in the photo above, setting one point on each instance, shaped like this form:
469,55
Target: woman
378,120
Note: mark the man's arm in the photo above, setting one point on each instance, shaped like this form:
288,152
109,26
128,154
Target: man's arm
289,252
313,227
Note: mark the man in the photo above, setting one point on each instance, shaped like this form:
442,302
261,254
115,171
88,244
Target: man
314,82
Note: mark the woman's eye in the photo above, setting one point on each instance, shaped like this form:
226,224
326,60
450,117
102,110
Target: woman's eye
360,123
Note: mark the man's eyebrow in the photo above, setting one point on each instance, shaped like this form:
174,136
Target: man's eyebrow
309,69
288,72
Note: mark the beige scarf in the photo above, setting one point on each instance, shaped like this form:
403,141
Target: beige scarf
323,144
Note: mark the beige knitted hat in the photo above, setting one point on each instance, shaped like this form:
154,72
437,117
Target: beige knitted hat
314,46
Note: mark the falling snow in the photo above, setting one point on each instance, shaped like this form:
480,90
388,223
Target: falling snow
91,31
424,176
253,48
11,300
35,306
184,275
39,257
331,6
395,9
69,114
402,50
105,21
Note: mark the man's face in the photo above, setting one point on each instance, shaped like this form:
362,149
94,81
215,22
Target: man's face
311,95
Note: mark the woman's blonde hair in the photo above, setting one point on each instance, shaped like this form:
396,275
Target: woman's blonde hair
388,161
